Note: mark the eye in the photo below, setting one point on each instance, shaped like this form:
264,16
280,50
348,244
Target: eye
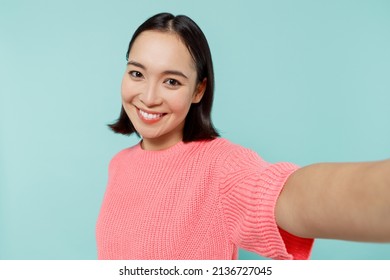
172,82
136,74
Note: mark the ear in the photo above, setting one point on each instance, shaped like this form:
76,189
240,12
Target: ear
199,91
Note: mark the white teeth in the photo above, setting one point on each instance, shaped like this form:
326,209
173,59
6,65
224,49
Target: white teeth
150,116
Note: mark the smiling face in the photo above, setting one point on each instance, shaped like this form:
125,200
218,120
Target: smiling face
158,88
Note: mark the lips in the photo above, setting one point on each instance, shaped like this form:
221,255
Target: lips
149,117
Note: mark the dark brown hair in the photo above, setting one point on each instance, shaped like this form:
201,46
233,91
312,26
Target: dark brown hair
198,124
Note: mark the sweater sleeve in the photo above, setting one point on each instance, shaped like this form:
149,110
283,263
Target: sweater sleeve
249,188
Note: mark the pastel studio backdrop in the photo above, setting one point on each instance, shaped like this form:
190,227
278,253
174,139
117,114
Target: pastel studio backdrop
300,81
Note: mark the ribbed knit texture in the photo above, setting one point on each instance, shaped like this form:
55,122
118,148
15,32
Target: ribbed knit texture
197,200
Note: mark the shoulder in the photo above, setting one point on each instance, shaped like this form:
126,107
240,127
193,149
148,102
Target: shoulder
123,153
234,159
121,156
224,146
233,150
231,156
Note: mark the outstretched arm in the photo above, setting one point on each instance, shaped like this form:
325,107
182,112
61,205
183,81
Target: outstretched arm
349,201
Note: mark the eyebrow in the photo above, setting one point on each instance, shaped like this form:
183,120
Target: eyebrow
166,72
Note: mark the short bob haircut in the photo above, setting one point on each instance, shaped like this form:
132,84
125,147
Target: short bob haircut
198,124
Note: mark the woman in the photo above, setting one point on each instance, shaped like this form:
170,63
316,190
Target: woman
185,193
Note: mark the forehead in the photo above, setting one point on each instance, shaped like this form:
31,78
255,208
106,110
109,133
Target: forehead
161,49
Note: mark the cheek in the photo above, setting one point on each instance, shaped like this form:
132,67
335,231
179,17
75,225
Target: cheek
127,90
181,103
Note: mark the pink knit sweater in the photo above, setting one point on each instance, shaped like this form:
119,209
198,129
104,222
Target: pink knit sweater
200,200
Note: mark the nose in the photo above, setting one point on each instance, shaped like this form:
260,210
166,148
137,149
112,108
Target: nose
150,96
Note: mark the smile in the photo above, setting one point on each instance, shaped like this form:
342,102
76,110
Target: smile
148,116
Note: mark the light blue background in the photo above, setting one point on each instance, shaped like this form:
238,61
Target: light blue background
300,81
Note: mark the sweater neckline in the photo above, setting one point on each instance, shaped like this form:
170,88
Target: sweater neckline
178,147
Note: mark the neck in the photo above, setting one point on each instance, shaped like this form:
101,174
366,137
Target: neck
157,144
